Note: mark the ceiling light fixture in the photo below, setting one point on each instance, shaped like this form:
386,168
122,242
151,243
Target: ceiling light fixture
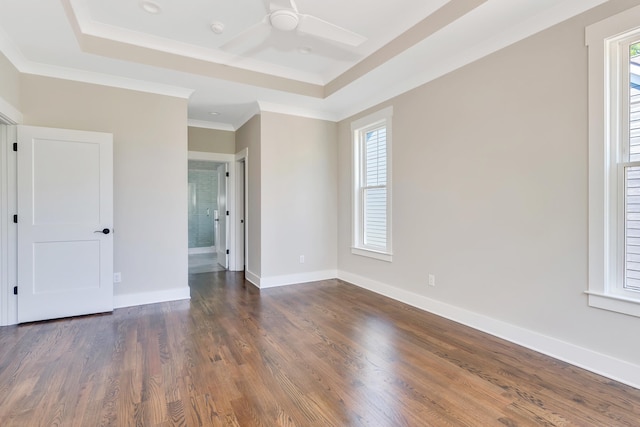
217,27
150,6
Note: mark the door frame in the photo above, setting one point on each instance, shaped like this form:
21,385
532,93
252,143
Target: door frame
8,230
223,183
242,209
234,219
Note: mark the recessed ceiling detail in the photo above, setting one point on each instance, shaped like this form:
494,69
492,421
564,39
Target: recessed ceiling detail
327,59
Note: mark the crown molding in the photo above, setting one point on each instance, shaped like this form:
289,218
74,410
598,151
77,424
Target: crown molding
380,77
291,110
101,79
248,115
8,113
24,66
210,125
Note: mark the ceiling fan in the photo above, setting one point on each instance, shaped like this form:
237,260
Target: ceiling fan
283,15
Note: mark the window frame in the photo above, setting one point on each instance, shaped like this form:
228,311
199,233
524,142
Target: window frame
382,118
608,44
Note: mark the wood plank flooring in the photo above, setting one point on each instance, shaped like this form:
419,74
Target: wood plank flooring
321,354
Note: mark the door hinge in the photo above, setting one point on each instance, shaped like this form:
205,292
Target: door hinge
227,175
227,251
15,219
227,213
15,146
15,290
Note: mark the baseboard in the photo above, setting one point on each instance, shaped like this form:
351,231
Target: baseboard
610,367
130,300
252,278
289,279
296,279
205,250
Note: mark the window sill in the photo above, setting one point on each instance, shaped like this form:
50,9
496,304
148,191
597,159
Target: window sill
615,303
383,256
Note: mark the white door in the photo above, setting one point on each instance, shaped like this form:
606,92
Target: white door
65,218
221,246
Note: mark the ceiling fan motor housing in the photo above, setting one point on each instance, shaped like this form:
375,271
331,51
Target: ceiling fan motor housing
284,20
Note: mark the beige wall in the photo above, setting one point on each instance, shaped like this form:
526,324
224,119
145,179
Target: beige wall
299,195
150,171
248,136
9,82
211,140
490,192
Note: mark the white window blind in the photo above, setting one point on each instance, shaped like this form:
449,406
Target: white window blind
631,153
375,188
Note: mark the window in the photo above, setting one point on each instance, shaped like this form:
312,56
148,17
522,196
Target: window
614,163
372,185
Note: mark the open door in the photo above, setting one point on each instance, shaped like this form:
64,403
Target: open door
65,219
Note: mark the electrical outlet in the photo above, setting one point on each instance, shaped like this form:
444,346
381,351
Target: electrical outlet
301,259
117,277
432,280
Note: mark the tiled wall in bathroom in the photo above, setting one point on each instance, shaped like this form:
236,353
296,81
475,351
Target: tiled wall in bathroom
203,201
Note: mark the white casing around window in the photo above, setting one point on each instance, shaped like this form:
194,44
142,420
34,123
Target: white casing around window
358,127
606,161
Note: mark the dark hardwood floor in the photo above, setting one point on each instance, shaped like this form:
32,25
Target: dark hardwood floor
321,354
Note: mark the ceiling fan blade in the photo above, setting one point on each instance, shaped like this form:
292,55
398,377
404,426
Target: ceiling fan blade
283,4
318,28
258,31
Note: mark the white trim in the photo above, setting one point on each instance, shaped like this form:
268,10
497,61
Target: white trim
202,250
612,302
8,230
211,157
109,80
383,256
142,298
12,183
252,278
8,113
25,66
242,260
292,110
4,228
248,115
379,116
602,364
296,279
383,117
210,125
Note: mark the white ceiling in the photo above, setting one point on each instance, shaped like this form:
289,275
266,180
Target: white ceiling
175,52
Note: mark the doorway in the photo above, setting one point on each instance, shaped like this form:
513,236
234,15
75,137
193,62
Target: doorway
208,227
230,241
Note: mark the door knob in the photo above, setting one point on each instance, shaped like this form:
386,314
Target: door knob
103,231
